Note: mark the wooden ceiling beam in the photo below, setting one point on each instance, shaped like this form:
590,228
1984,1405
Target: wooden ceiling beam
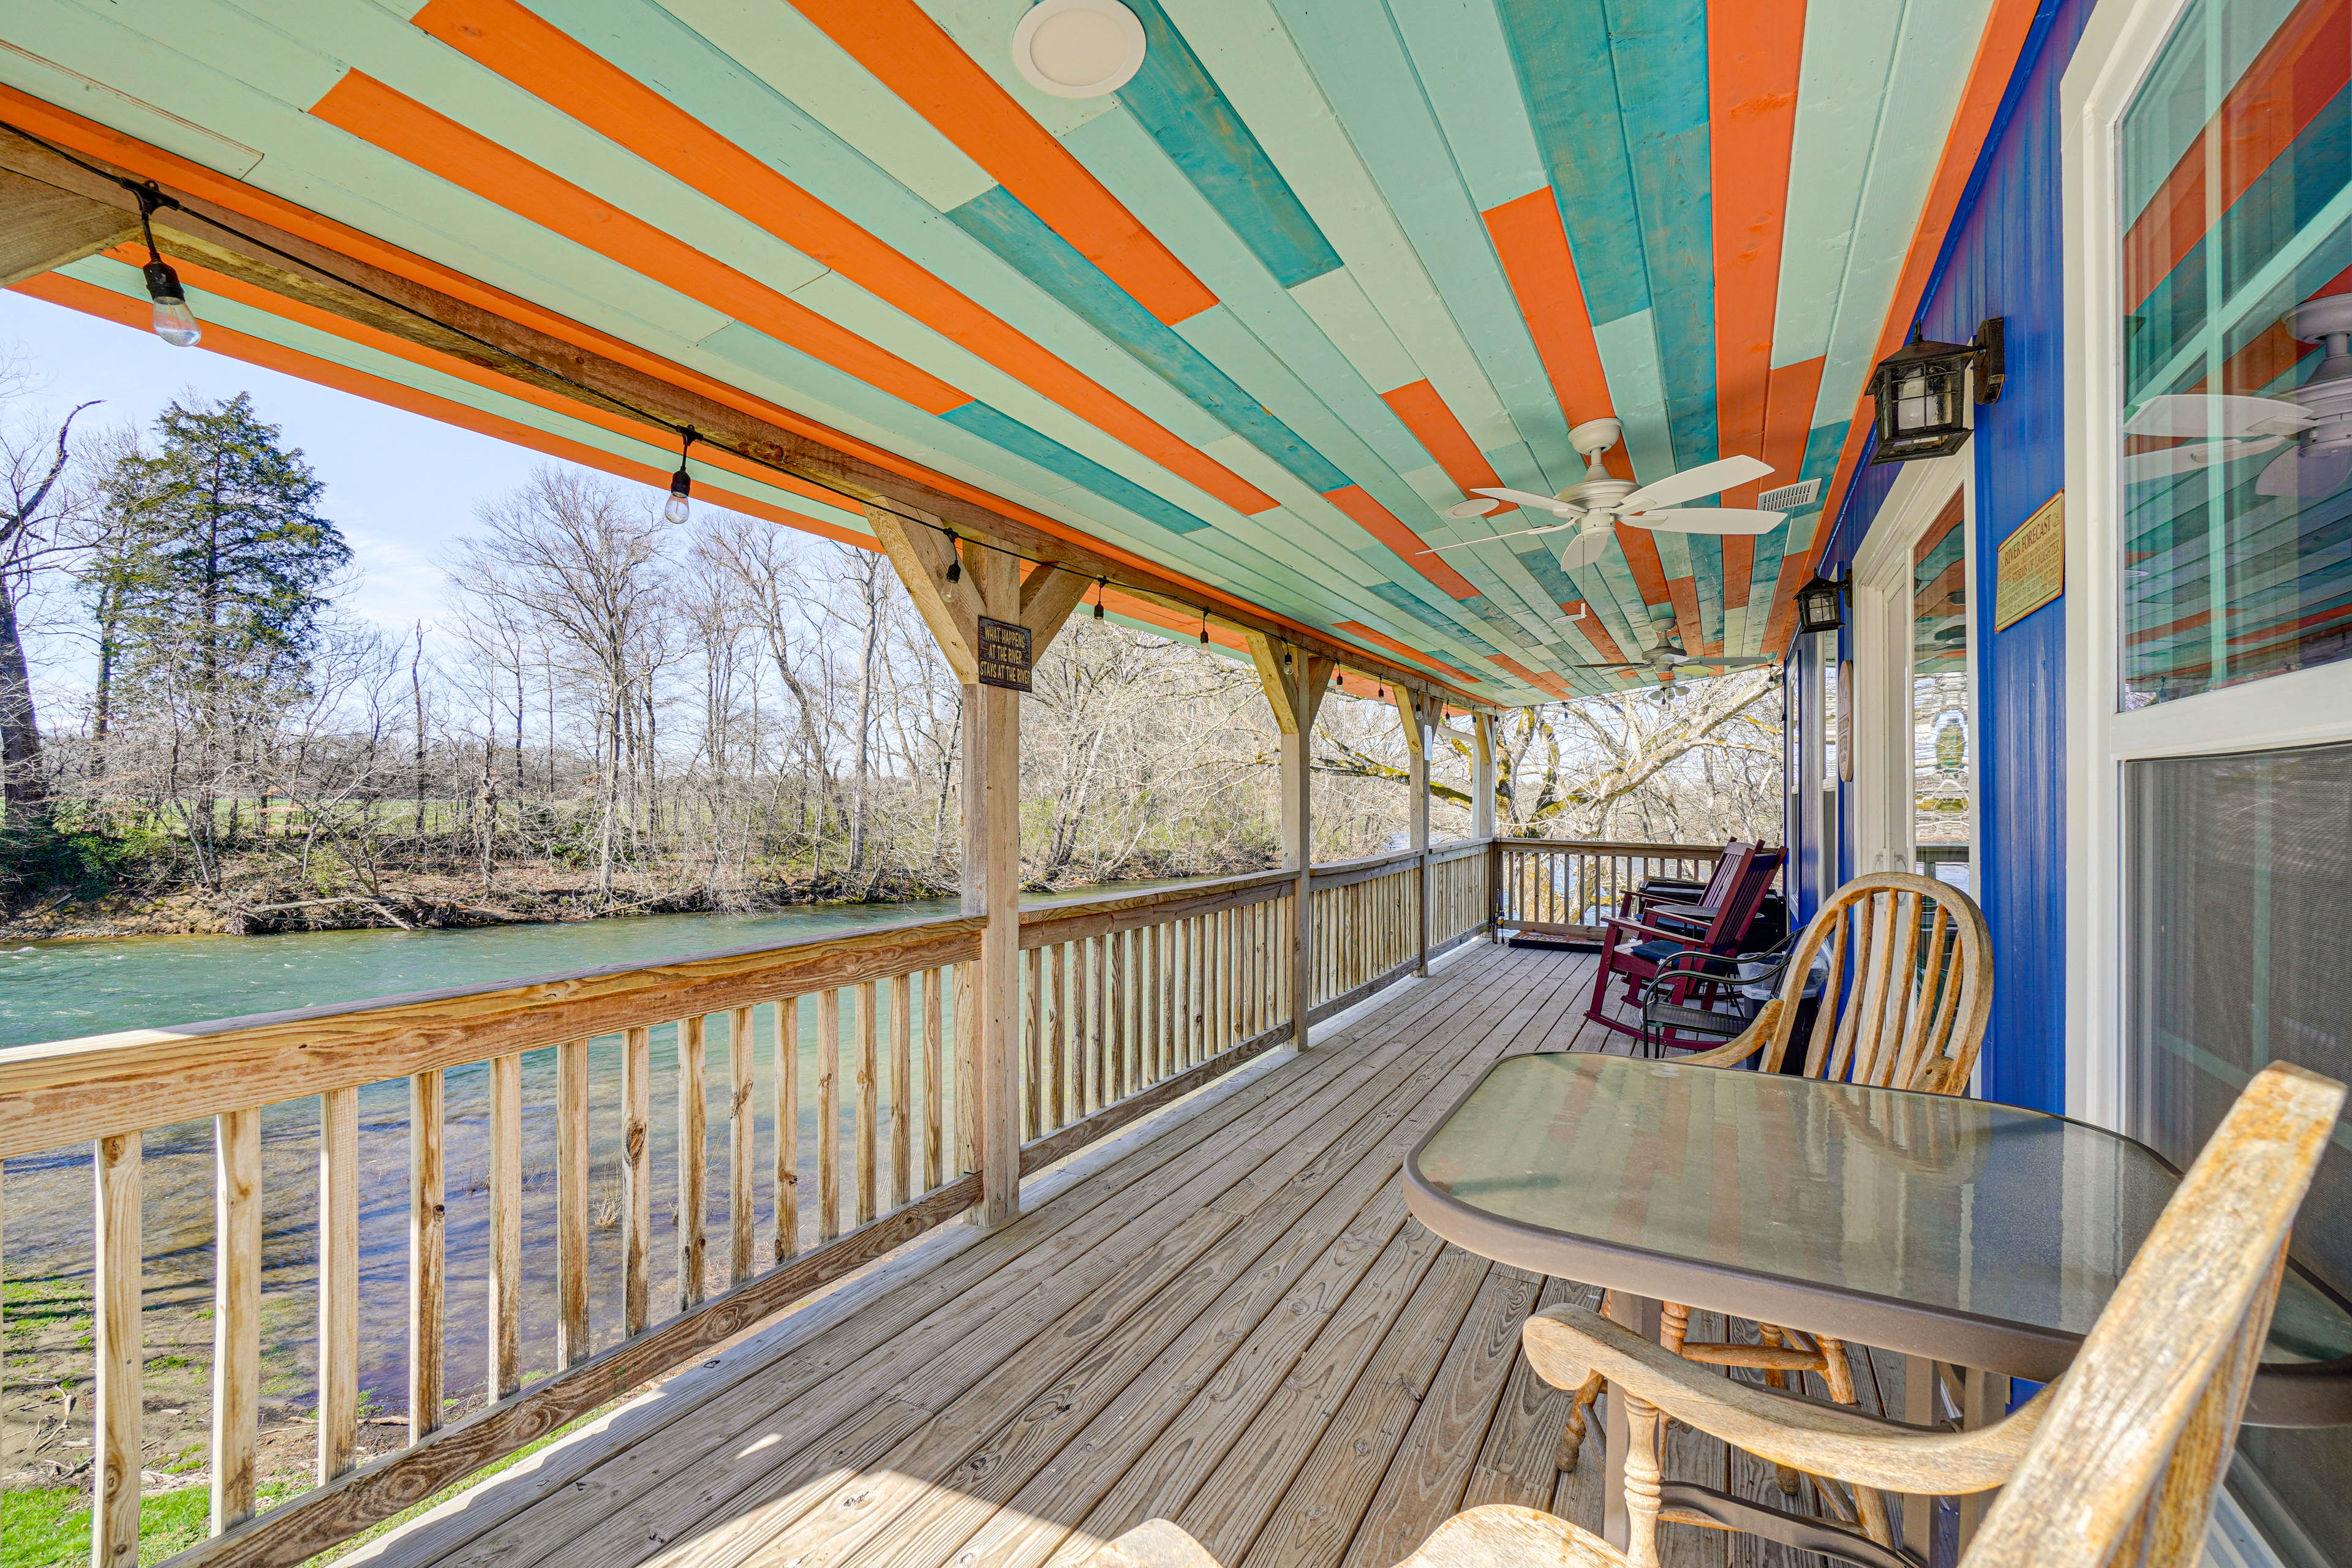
42,227
304,269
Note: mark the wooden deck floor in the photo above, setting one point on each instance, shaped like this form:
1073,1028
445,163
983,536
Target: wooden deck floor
1237,1326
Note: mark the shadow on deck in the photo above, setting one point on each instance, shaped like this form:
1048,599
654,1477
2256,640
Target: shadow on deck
1236,1326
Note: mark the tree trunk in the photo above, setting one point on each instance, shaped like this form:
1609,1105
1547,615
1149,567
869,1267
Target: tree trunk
22,788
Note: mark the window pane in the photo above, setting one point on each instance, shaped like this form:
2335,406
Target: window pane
2236,174
1939,699
2239,932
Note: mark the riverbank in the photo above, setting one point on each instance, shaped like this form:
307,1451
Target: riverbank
526,896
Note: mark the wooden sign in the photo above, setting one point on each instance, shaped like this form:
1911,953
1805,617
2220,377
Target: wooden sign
2031,569
1003,655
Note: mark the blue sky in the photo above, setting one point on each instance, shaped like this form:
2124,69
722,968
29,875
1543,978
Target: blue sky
401,488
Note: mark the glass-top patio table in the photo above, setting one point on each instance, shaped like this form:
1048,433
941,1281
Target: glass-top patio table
1965,1232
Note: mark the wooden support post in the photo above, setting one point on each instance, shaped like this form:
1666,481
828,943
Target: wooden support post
1482,812
1295,683
1419,714
956,585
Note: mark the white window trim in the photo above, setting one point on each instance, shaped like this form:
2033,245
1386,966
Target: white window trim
1884,765
2307,707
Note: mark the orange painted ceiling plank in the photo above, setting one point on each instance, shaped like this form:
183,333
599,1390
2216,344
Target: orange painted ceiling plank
1540,679
1384,525
1406,650
1533,245
1996,61
915,57
1440,435
408,130
1598,636
292,309
1641,557
87,136
1682,594
1753,52
574,78
1789,396
90,299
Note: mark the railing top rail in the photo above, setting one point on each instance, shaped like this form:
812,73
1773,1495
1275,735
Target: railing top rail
1044,923
1616,847
1398,859
98,1086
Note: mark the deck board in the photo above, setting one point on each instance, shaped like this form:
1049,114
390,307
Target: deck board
1237,1326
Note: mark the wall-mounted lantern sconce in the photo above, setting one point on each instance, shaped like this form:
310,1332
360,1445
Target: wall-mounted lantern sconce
1817,609
1919,393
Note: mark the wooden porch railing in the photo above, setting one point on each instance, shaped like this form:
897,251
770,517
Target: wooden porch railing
1568,887
856,1053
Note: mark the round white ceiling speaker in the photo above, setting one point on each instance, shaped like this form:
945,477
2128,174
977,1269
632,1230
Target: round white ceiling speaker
1079,48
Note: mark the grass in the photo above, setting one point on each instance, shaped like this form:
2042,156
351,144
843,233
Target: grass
48,1527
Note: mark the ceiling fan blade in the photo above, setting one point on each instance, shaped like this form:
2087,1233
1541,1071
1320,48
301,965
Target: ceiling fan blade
1529,498
1514,533
1585,549
2216,416
2168,461
1709,519
1608,667
1706,479
2307,473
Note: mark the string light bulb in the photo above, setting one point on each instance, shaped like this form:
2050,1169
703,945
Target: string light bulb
174,321
1204,628
678,508
1100,582
955,559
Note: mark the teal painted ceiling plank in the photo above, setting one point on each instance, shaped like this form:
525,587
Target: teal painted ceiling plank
1177,102
1659,50
992,426
999,220
1707,582
1360,64
1842,80
1568,76
1629,354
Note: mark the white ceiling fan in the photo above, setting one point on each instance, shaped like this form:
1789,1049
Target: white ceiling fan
1597,503
2315,418
1666,661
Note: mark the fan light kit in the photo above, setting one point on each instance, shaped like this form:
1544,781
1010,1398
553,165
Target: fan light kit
2310,425
1595,505
1079,48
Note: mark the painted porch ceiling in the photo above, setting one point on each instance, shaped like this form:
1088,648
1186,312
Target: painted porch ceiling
1258,317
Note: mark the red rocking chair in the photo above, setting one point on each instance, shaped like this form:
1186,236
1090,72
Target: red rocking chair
1636,949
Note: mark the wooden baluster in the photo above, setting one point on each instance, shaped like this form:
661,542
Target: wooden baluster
427,1253
967,1068
1197,1025
572,1201
1122,1083
787,1173
742,1147
236,1313
115,1458
869,1099
693,1157
338,1284
1157,1047
934,1081
828,1111
902,1085
1057,1035
637,1180
505,1313
1033,1044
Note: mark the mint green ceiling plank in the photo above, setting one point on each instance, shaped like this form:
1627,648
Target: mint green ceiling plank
1360,63
791,55
1258,67
1840,80
1464,63
1336,303
1629,354
234,316
984,29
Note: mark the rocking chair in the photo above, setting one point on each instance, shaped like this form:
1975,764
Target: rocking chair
1710,932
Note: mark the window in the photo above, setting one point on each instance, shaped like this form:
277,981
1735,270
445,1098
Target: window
2238,932
2235,186
1939,698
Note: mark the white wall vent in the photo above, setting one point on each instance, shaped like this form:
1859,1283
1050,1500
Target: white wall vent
1789,498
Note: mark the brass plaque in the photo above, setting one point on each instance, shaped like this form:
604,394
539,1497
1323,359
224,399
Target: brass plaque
2031,569
1003,655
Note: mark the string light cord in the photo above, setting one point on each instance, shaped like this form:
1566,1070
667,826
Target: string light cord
152,198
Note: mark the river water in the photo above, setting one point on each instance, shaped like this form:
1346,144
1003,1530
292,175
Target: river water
64,989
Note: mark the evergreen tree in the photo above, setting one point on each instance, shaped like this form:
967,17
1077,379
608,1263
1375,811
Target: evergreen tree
210,591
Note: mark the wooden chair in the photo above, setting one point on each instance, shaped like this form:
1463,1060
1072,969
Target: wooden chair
1903,1005
2114,1465
1713,928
